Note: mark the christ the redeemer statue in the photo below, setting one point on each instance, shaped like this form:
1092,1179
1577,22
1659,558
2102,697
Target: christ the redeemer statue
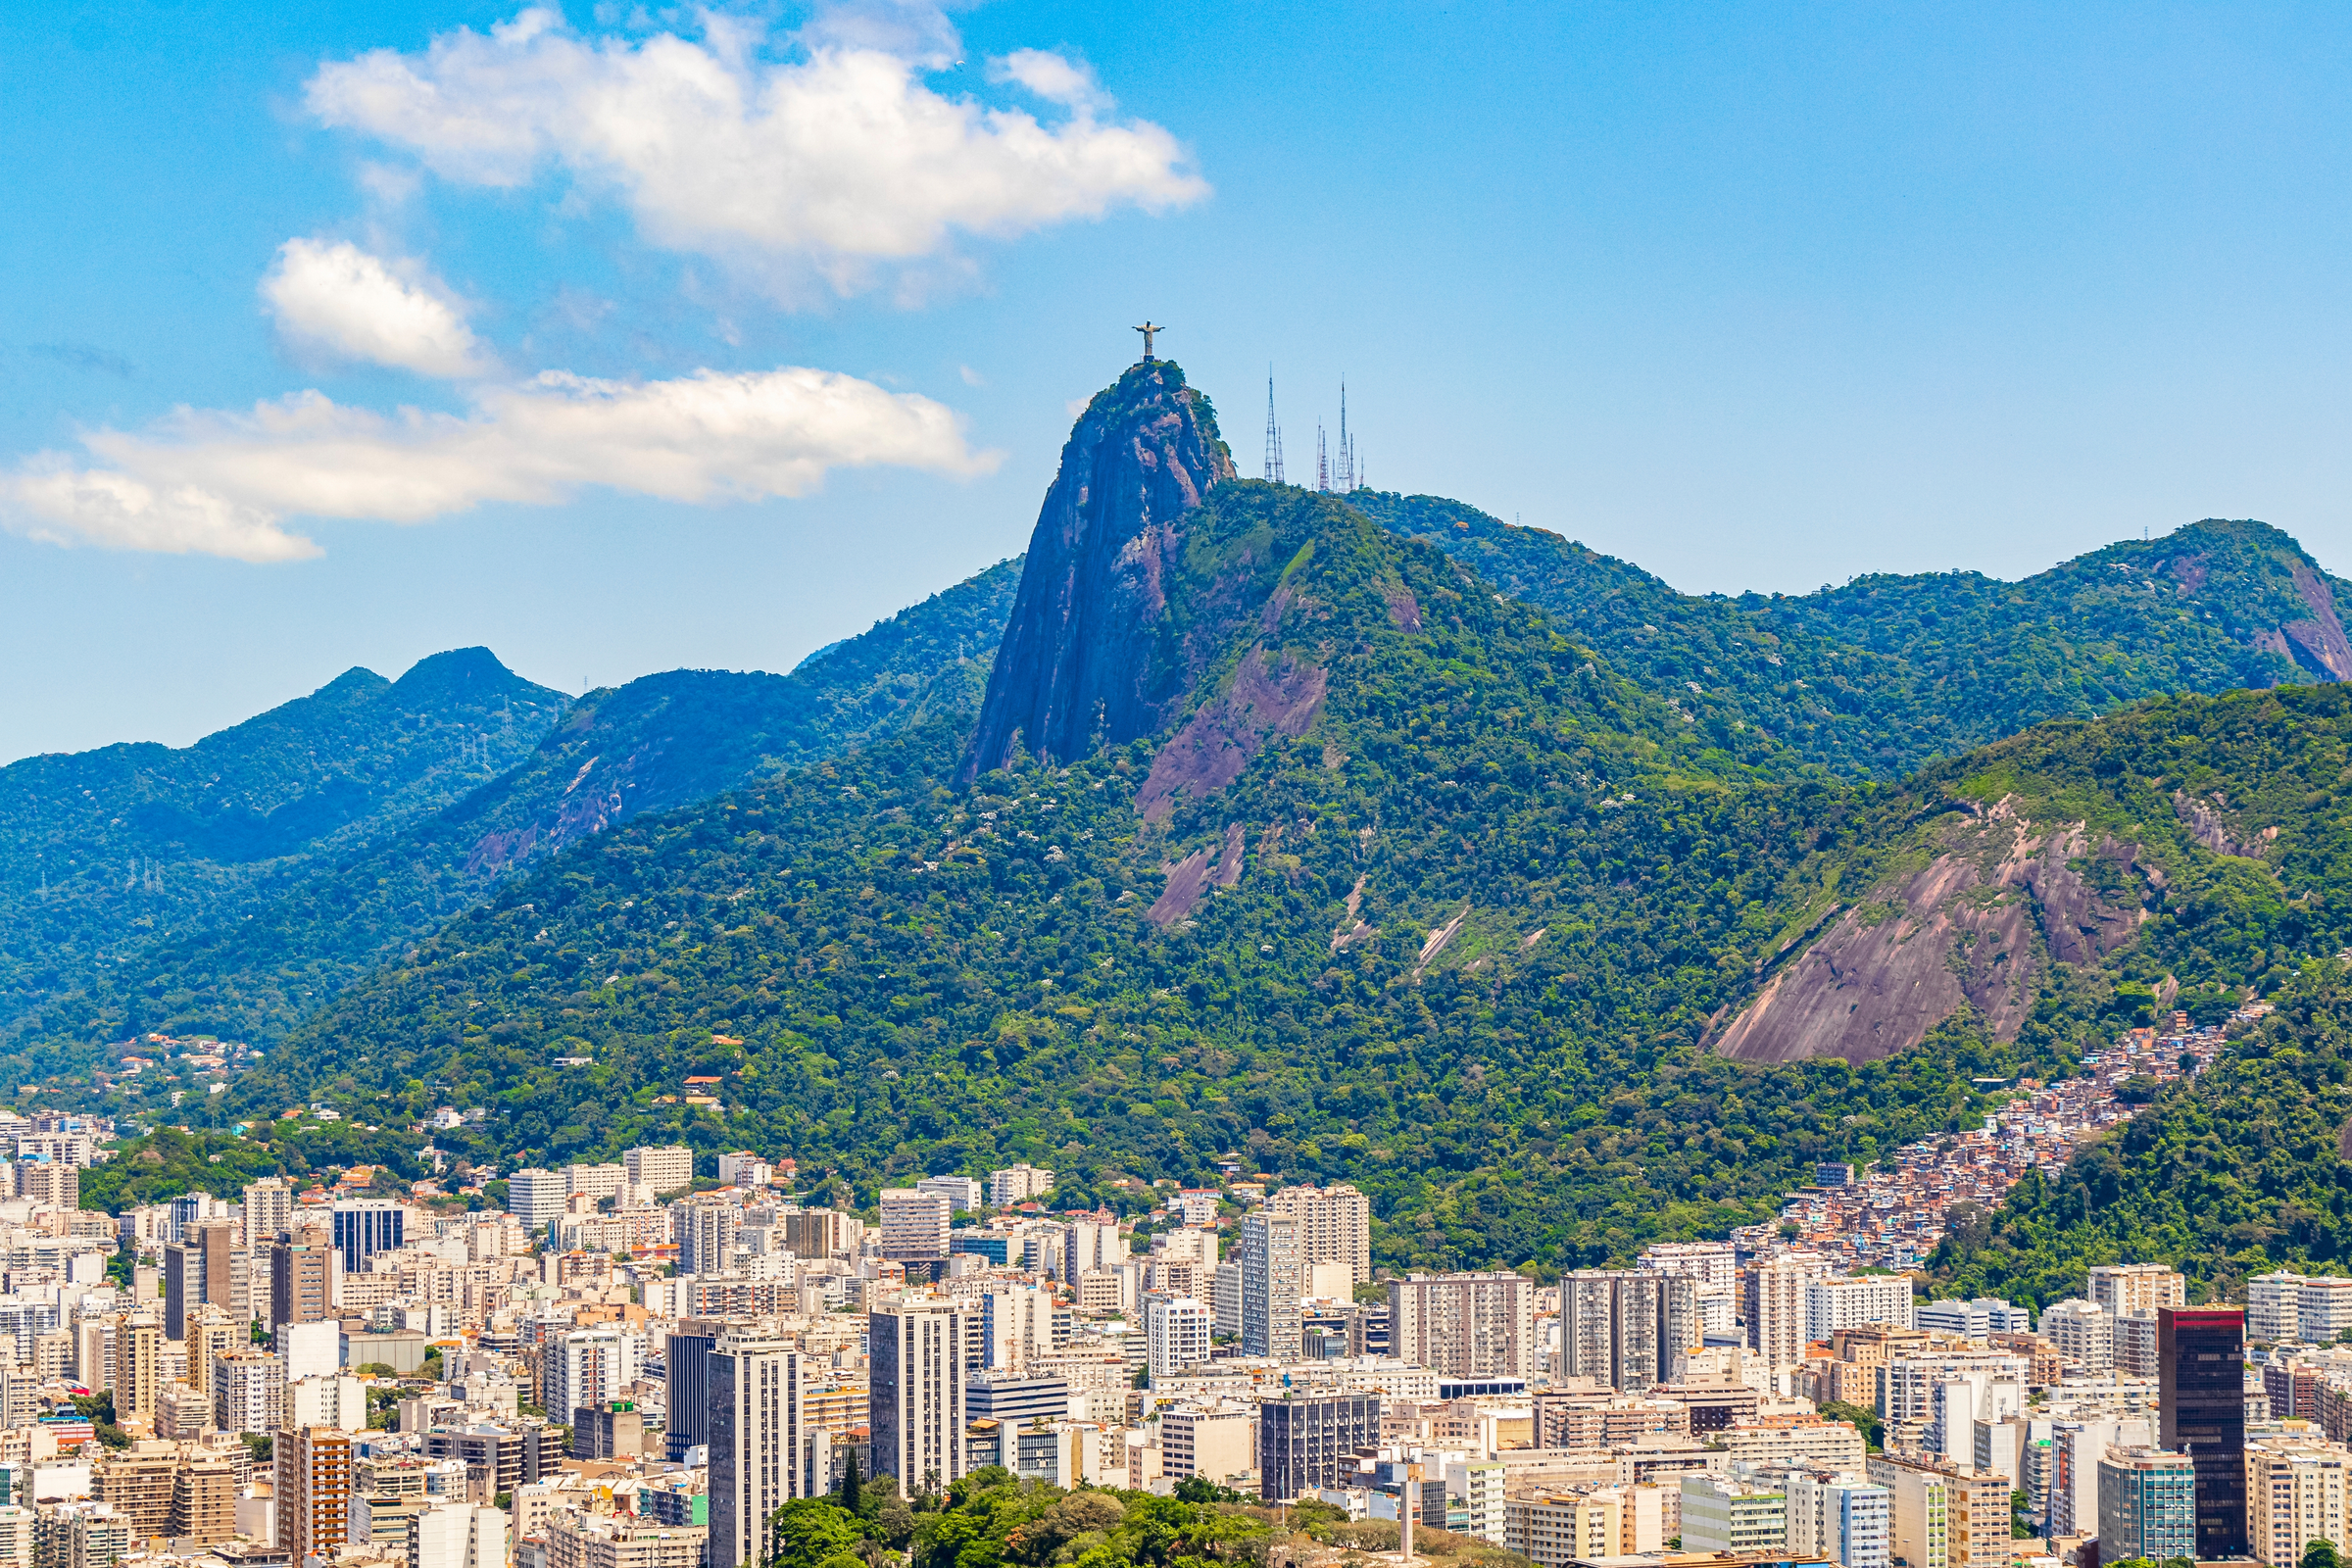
1148,328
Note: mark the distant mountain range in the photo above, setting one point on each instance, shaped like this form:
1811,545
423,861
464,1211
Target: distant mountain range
1360,836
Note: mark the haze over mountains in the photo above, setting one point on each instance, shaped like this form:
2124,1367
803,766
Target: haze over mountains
1366,836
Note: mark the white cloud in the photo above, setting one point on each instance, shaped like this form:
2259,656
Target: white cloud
340,299
841,162
225,484
1053,78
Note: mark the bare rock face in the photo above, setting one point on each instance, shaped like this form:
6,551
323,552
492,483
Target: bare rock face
1977,925
1078,667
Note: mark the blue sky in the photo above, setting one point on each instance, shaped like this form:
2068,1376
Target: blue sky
1758,297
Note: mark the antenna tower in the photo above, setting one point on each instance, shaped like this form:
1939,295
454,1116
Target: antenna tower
1322,462
1344,470
1273,471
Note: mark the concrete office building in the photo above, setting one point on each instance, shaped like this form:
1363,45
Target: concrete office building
916,1406
764,1453
367,1226
1308,1443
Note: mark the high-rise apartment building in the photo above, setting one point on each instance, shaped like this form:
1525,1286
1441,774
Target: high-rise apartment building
1226,1299
1335,1226
197,1269
1176,1334
536,1196
458,1535
1629,1328
2294,1495
707,1232
2147,1504
1273,1284
1019,1323
249,1389
1919,1511
1018,1183
1856,1300
963,1193
1088,1246
302,1270
666,1169
2083,1332
2075,1448
313,1501
2284,1308
686,1385
815,1233
588,1366
916,1406
1776,1304
764,1453
2201,1368
137,1373
1841,1518
269,1210
915,1224
2136,1287
1721,1514
1307,1442
1465,1325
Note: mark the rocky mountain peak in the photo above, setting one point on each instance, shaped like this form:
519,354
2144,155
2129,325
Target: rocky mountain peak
1077,666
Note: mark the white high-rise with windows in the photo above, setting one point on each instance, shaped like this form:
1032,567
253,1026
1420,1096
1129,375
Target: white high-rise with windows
2122,1288
535,1196
665,1169
1176,1334
963,1193
588,1366
1776,1305
1856,1300
1018,1183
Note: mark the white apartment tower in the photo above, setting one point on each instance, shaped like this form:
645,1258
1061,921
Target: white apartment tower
1776,1305
663,1170
1176,1334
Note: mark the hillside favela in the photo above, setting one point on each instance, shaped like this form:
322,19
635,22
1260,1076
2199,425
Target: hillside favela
1295,1004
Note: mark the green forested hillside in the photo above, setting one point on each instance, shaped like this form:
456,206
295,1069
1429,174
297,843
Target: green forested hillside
893,976
1889,673
251,967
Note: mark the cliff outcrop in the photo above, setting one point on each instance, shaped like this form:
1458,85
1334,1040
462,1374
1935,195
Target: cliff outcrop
1092,653
1979,925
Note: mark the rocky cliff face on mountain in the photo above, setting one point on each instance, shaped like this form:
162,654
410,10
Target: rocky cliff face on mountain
1094,652
1977,926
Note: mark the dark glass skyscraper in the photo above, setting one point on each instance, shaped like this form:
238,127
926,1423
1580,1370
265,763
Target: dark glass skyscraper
2201,1378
